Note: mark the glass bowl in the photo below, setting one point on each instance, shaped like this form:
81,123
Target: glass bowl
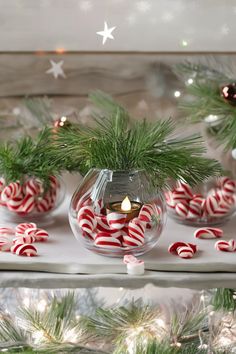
29,201
114,213
210,203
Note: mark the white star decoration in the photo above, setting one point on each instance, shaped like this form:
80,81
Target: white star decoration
106,33
56,69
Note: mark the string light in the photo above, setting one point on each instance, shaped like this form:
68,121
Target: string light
190,81
184,43
177,94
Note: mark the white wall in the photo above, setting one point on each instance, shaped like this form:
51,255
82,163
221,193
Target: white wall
141,25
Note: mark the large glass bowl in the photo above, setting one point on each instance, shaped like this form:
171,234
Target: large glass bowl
114,213
210,203
29,200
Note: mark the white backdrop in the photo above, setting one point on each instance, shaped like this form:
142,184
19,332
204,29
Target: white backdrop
141,25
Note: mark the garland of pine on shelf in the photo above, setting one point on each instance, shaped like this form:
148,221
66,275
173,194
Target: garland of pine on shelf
211,97
132,329
117,142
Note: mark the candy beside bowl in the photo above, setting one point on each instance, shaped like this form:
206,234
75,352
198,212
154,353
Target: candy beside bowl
211,203
115,213
29,200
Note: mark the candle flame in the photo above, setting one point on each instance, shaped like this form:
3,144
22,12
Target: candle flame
126,205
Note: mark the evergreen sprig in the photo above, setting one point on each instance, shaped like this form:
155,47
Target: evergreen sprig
206,99
29,157
224,299
117,143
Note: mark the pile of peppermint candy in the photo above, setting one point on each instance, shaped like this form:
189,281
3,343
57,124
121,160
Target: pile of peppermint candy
218,202
29,197
112,230
19,240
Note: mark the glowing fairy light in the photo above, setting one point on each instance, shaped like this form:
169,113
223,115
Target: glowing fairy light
184,43
190,81
177,94
42,305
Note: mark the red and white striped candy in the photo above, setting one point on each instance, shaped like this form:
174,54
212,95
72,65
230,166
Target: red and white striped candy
186,188
54,182
40,235
182,210
129,241
21,228
185,252
194,209
173,248
43,205
208,233
103,239
102,225
211,204
229,188
33,186
27,205
13,190
24,239
5,243
136,229
14,204
222,210
24,249
169,200
116,220
226,246
86,219
7,231
89,236
146,213
179,196
222,180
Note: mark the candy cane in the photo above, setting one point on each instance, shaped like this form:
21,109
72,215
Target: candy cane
13,190
116,220
103,239
5,244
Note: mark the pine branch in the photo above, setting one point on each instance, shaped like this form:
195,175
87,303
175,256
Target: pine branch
29,157
116,143
224,299
40,108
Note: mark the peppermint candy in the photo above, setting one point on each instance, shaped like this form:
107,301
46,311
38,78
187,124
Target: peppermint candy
103,239
24,239
182,186
44,204
7,231
5,244
194,209
2,184
211,205
179,196
169,199
24,249
103,226
21,228
146,213
86,219
136,229
129,241
225,246
13,190
39,235
27,205
182,210
116,220
183,249
33,187
208,233
14,204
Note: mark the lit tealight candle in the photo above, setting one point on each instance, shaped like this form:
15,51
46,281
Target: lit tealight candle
130,208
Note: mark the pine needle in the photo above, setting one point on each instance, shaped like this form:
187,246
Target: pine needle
117,143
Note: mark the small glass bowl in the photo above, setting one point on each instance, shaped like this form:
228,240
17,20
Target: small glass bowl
32,203
99,222
210,203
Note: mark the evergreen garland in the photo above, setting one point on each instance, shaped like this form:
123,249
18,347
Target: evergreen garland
117,143
132,329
